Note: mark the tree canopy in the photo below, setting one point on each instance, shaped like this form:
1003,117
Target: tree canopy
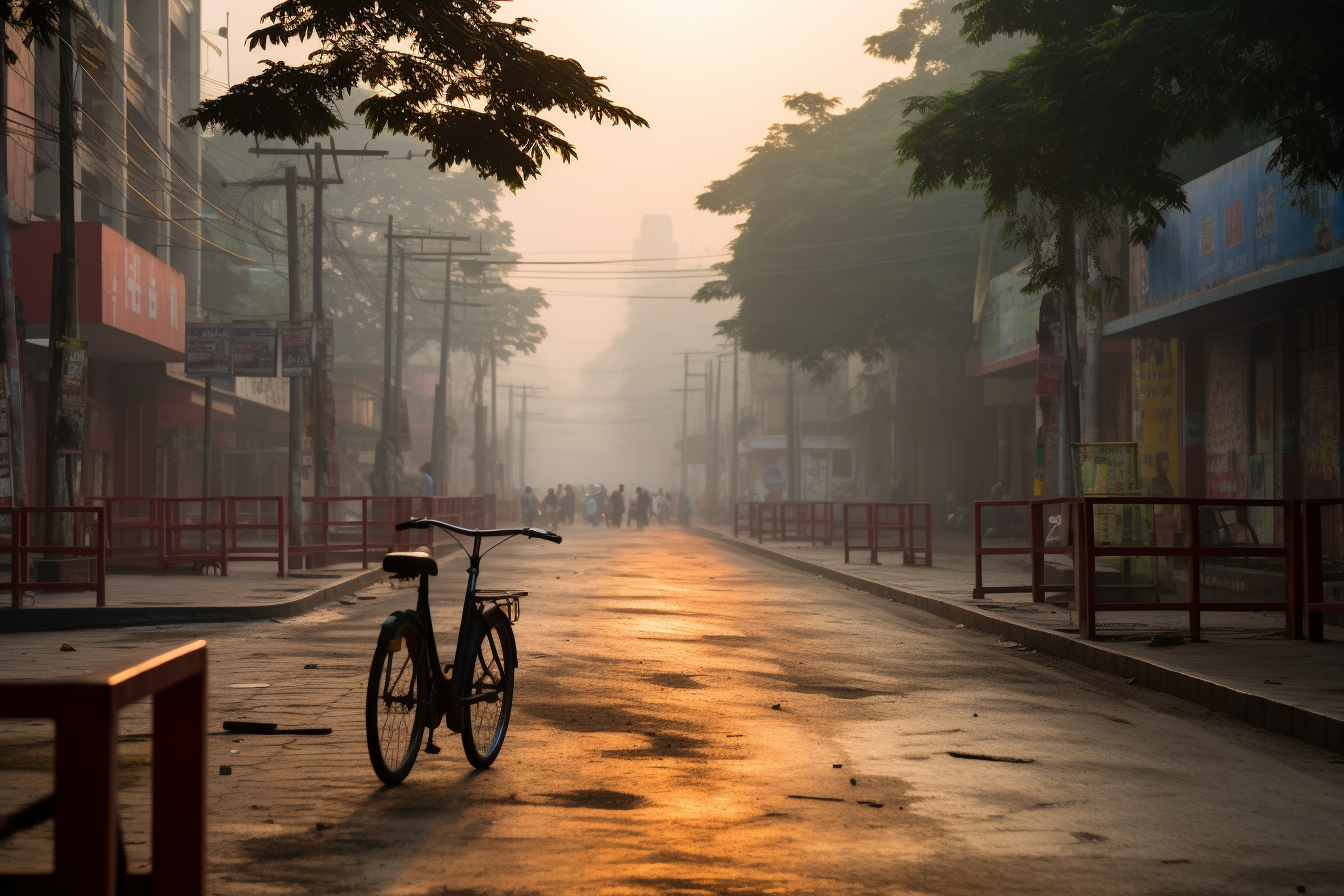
834,257
450,74
1083,125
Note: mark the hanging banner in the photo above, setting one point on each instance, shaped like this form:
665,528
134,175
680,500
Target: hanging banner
70,403
1050,339
254,351
296,350
208,351
326,344
1158,417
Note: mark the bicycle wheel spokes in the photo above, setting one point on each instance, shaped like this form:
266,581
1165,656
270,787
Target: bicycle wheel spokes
395,709
488,698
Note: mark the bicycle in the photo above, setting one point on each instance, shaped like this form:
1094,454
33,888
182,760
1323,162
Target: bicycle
410,690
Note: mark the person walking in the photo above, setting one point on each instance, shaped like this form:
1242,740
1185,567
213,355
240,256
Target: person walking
530,506
567,505
643,501
426,480
618,505
590,507
550,509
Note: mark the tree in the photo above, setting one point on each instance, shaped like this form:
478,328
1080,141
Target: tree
834,257
449,74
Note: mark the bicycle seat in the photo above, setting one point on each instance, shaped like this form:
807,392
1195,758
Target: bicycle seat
410,564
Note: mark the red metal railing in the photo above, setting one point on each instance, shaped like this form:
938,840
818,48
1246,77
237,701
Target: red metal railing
85,710
910,522
90,543
811,521
158,531
1036,548
1228,515
746,518
364,525
1322,536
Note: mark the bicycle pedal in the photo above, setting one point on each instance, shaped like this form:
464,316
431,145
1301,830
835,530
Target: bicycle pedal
432,748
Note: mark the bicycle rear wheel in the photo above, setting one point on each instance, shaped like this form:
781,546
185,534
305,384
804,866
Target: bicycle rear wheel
397,703
486,692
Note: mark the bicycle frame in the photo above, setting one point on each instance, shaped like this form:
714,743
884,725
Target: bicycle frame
446,705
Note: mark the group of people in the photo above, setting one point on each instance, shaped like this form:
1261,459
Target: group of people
603,508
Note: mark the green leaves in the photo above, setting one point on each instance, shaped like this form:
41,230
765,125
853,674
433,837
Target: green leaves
446,73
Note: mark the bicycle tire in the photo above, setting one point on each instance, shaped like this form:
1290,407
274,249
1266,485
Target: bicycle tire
397,702
492,658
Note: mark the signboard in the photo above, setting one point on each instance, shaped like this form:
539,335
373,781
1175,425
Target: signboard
1107,468
1009,321
1158,415
254,351
1240,221
208,351
296,350
70,403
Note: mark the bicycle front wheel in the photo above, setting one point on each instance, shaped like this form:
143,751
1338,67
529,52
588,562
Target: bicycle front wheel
397,703
486,692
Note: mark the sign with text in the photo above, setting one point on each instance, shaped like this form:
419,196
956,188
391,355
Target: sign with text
296,350
208,351
254,351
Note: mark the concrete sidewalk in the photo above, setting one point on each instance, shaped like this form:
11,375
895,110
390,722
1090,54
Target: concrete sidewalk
1243,665
249,591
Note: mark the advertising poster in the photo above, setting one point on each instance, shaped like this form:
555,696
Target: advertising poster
296,350
1158,414
254,351
208,351
1049,336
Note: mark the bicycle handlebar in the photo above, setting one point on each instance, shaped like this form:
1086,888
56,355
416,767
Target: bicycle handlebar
527,532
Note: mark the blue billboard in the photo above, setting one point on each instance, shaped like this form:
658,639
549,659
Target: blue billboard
1241,221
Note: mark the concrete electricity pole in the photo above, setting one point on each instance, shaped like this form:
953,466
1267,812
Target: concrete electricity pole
732,446
319,183
791,452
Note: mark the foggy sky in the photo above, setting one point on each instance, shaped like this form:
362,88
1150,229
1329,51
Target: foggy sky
709,76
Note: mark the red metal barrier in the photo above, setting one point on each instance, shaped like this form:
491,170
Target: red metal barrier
1321,528
1036,548
363,525
912,523
85,709
21,549
746,518
1227,527
795,521
157,531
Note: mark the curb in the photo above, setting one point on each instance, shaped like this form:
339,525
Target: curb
1307,725
57,619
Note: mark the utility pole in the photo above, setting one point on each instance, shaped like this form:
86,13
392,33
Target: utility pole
318,182
525,391
714,456
791,436
685,434
13,345
732,447
508,440
296,389
439,430
383,469
399,368
64,442
686,391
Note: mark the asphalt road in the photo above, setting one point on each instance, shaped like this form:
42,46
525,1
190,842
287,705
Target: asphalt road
690,720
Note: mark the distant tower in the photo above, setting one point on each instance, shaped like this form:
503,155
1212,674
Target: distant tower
655,238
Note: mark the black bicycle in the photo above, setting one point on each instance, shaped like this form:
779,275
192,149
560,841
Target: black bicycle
410,690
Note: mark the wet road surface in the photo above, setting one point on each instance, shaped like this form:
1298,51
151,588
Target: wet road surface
690,720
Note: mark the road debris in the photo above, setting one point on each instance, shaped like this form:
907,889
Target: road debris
776,706
270,728
957,754
869,803
310,665
66,648
821,799
226,769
